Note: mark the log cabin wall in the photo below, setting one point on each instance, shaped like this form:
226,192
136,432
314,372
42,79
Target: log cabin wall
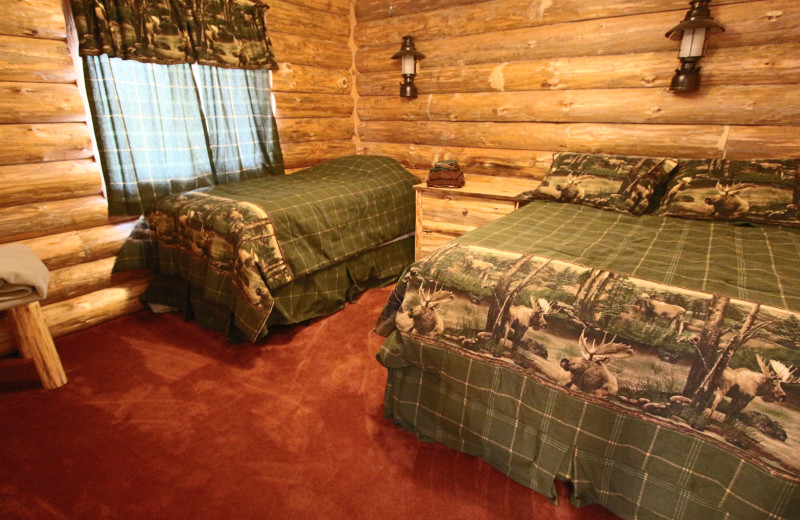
313,88
50,186
506,83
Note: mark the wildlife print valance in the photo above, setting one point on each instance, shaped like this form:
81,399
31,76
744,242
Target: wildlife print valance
223,33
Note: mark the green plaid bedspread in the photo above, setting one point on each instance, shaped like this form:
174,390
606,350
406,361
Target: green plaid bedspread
751,263
659,307
240,242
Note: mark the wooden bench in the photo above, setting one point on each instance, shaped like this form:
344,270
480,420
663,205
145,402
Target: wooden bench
30,331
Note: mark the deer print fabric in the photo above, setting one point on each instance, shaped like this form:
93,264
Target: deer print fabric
223,33
722,367
758,191
613,182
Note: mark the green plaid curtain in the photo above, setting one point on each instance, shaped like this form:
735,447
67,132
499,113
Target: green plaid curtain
242,133
161,129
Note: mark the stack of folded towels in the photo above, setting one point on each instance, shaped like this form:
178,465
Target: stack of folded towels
446,174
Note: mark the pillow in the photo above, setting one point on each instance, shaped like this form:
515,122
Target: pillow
615,182
765,191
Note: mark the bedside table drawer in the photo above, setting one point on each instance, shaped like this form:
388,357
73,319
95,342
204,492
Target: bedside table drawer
462,213
443,216
429,239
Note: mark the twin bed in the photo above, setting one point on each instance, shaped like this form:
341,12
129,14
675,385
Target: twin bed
582,337
240,257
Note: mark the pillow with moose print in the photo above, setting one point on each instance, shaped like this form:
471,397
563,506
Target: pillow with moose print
765,191
614,182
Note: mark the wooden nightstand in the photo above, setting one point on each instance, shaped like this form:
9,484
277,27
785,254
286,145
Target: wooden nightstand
446,213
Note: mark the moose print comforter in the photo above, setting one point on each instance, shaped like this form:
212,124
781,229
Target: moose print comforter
238,245
650,361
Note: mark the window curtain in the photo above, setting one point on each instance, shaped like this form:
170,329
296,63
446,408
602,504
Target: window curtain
191,108
164,129
243,136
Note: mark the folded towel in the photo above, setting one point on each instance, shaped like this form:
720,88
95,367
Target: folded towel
448,164
14,292
22,274
445,184
440,177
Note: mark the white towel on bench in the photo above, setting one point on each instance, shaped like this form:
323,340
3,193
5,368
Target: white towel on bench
23,277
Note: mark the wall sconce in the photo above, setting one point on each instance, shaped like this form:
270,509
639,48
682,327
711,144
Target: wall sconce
692,32
408,55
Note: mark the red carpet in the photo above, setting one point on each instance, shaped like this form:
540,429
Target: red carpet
162,419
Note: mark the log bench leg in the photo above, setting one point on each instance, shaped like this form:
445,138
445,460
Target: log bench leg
34,341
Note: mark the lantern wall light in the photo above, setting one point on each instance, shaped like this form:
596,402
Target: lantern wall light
693,32
408,56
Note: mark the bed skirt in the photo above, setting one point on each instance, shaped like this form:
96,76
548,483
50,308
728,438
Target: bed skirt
310,296
535,432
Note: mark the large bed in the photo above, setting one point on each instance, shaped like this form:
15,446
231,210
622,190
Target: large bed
240,257
642,349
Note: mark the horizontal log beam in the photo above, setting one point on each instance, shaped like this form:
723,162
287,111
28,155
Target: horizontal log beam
680,141
25,143
502,15
690,141
377,9
752,23
763,142
299,50
303,155
297,104
36,18
307,78
32,59
96,307
35,220
386,10
322,129
39,182
61,250
86,311
40,103
80,279
484,161
748,105
761,64
289,18
334,6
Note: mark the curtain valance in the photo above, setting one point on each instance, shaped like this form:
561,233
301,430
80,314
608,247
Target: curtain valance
223,33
